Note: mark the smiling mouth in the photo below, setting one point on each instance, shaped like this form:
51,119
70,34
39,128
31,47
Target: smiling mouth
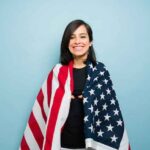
78,47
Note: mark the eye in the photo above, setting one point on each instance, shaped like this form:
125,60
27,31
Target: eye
72,37
83,36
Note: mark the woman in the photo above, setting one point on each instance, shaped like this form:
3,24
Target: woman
76,107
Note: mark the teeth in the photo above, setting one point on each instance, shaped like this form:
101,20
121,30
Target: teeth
78,48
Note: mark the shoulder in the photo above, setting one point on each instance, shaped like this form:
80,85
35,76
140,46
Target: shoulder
102,69
60,69
55,69
100,66
58,65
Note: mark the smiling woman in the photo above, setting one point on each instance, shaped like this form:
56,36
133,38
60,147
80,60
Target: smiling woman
76,107
79,43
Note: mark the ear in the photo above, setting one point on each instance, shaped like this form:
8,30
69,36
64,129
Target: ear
91,43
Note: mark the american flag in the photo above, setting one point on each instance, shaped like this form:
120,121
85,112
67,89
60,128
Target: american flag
103,123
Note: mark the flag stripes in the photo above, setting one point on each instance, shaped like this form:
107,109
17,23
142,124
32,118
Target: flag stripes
35,129
30,139
40,99
55,107
52,105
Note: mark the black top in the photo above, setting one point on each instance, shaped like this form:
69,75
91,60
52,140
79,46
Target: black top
72,135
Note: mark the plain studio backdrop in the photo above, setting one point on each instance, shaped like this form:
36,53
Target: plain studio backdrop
30,36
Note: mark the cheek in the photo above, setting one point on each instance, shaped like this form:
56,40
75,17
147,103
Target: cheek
70,44
70,47
88,44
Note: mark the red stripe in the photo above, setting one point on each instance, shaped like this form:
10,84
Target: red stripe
129,147
36,131
40,99
71,81
62,76
49,86
71,75
24,145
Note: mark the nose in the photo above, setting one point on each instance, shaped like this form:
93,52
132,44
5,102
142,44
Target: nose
77,40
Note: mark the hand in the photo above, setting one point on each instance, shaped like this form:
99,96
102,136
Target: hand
79,96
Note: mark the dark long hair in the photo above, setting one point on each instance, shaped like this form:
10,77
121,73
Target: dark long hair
65,55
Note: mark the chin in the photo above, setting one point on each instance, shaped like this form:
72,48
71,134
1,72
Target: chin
80,55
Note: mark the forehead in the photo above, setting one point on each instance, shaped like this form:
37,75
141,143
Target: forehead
81,30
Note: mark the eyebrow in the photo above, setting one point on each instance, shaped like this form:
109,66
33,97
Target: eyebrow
81,34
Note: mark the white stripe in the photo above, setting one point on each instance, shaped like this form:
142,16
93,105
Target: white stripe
38,116
30,139
64,109
73,149
96,145
124,145
62,115
55,85
45,102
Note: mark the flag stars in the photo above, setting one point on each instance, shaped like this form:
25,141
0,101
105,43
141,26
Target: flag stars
86,119
91,128
99,86
95,101
91,108
102,119
96,112
119,123
100,133
110,128
98,122
112,102
105,81
116,112
94,68
114,139
85,100
107,117
105,106
102,96
88,78
95,79
91,66
102,73
108,91
91,92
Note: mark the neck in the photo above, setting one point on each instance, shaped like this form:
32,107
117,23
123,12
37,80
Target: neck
78,63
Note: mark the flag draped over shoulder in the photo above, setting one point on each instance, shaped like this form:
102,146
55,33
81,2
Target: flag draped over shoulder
50,111
103,123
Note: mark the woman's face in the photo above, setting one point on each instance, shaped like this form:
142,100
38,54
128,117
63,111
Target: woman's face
79,43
